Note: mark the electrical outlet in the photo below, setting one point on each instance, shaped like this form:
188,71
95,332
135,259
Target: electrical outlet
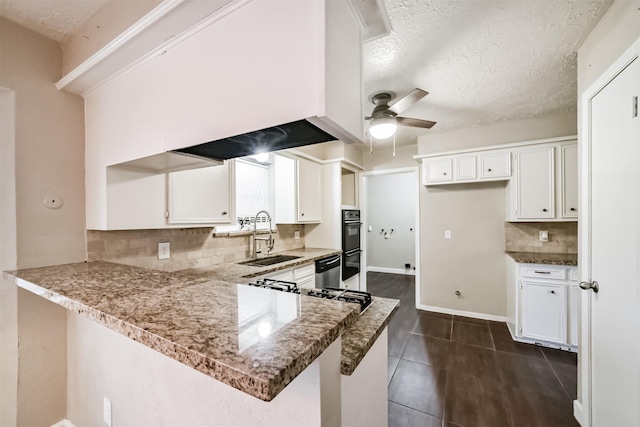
543,236
296,235
106,413
447,234
164,250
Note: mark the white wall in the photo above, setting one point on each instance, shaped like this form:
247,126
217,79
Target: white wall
48,160
390,205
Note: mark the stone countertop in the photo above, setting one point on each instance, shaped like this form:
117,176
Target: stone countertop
360,337
172,313
237,273
544,258
255,340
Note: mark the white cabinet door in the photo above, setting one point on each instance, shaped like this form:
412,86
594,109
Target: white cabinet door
544,311
495,165
200,195
535,184
309,192
466,168
569,177
437,169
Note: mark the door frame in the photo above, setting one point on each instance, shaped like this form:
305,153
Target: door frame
415,170
582,408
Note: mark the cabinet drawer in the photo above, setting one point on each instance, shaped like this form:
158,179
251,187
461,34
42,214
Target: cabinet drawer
307,283
497,165
556,273
300,273
286,275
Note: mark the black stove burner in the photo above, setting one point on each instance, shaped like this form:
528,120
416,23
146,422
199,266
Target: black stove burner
363,299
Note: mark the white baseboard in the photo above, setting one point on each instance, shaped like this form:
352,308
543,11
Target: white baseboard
406,271
473,314
63,423
577,411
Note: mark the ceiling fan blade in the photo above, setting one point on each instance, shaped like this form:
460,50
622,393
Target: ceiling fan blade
408,100
416,123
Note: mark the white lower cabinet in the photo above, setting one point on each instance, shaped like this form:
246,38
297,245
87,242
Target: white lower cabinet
543,304
544,311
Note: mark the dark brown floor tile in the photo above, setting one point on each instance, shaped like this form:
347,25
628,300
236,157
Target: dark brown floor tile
392,364
419,387
560,356
503,341
401,416
433,327
450,424
474,361
469,320
436,314
471,334
397,342
405,319
568,376
538,410
529,373
427,350
471,401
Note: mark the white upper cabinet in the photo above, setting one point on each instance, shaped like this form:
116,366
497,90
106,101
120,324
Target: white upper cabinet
535,194
298,190
200,196
468,167
569,180
437,170
544,186
495,165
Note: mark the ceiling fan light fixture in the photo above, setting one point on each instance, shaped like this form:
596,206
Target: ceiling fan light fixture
383,127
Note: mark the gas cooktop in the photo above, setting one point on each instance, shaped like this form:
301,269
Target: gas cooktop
363,299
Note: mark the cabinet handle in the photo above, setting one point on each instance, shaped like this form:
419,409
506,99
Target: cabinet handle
489,170
302,214
542,272
544,209
444,173
572,209
553,292
224,212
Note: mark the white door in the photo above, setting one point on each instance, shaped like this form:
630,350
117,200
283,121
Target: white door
614,228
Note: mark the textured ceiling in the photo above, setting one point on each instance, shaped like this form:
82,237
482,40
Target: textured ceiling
56,19
482,61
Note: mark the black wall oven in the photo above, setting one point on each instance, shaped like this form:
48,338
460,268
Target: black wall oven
351,251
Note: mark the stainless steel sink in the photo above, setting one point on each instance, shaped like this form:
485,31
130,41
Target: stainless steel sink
270,260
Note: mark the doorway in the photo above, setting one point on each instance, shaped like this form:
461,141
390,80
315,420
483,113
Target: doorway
389,201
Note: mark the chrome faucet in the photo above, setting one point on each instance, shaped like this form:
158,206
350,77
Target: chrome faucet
270,241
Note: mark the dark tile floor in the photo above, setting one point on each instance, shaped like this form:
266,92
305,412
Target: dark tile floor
450,371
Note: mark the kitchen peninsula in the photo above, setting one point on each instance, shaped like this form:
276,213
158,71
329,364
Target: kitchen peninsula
286,350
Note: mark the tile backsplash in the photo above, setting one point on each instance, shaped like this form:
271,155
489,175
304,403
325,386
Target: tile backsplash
190,247
523,237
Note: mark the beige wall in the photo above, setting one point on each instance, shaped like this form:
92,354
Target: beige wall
616,31
49,160
473,260
104,26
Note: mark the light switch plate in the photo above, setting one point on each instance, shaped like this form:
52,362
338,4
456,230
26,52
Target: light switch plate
164,250
447,234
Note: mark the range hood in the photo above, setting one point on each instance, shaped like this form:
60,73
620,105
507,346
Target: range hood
289,135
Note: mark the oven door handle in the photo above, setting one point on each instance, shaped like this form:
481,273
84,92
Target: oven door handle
353,252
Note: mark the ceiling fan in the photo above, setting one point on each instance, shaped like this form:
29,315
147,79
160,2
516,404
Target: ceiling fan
384,117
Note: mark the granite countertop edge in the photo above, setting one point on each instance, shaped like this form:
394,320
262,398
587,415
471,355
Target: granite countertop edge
544,258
